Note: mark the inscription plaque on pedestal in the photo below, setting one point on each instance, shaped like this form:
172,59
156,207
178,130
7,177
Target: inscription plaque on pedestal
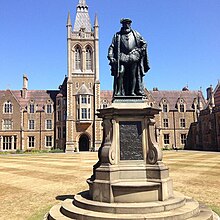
131,140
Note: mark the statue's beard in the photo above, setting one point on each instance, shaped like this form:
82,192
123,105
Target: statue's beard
125,30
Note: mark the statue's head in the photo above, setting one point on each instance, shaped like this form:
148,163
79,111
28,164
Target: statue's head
126,23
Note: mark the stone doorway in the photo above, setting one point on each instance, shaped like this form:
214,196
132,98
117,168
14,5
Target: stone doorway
84,143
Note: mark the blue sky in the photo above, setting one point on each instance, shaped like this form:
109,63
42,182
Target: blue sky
183,40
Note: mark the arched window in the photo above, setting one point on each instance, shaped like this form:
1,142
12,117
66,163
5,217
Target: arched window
8,107
88,59
78,58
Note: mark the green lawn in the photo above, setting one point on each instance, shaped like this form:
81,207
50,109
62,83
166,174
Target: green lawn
31,184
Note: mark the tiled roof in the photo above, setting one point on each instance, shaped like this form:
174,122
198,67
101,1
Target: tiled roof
40,97
82,18
106,95
171,97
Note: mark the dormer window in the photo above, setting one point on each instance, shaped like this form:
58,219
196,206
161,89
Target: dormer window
164,105
31,108
8,107
104,103
165,109
182,108
49,108
181,105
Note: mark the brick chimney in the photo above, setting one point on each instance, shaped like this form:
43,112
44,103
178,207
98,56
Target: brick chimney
25,86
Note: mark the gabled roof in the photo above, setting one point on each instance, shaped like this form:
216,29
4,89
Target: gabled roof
40,97
106,95
3,92
173,96
83,90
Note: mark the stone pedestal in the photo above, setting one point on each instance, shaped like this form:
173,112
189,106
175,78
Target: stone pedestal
130,180
130,167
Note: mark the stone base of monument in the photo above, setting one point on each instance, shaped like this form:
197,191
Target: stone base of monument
130,181
175,208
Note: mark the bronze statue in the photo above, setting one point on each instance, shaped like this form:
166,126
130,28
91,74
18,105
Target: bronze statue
128,60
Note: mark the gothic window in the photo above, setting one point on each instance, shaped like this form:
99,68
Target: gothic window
165,122
166,138
88,59
7,124
31,140
8,107
182,123
78,58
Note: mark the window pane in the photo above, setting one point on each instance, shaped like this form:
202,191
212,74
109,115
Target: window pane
166,139
182,123
182,108
84,99
49,109
164,107
49,141
77,59
8,107
165,122
31,108
183,139
84,113
88,59
31,141
7,142
49,124
31,124
7,125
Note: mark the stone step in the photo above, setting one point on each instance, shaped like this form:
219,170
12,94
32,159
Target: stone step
205,213
135,191
190,209
55,214
81,201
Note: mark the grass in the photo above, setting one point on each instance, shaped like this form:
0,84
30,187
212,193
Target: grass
32,183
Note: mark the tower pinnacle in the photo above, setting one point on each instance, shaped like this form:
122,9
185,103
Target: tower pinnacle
82,21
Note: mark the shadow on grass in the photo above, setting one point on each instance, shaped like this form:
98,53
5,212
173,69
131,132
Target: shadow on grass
63,197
